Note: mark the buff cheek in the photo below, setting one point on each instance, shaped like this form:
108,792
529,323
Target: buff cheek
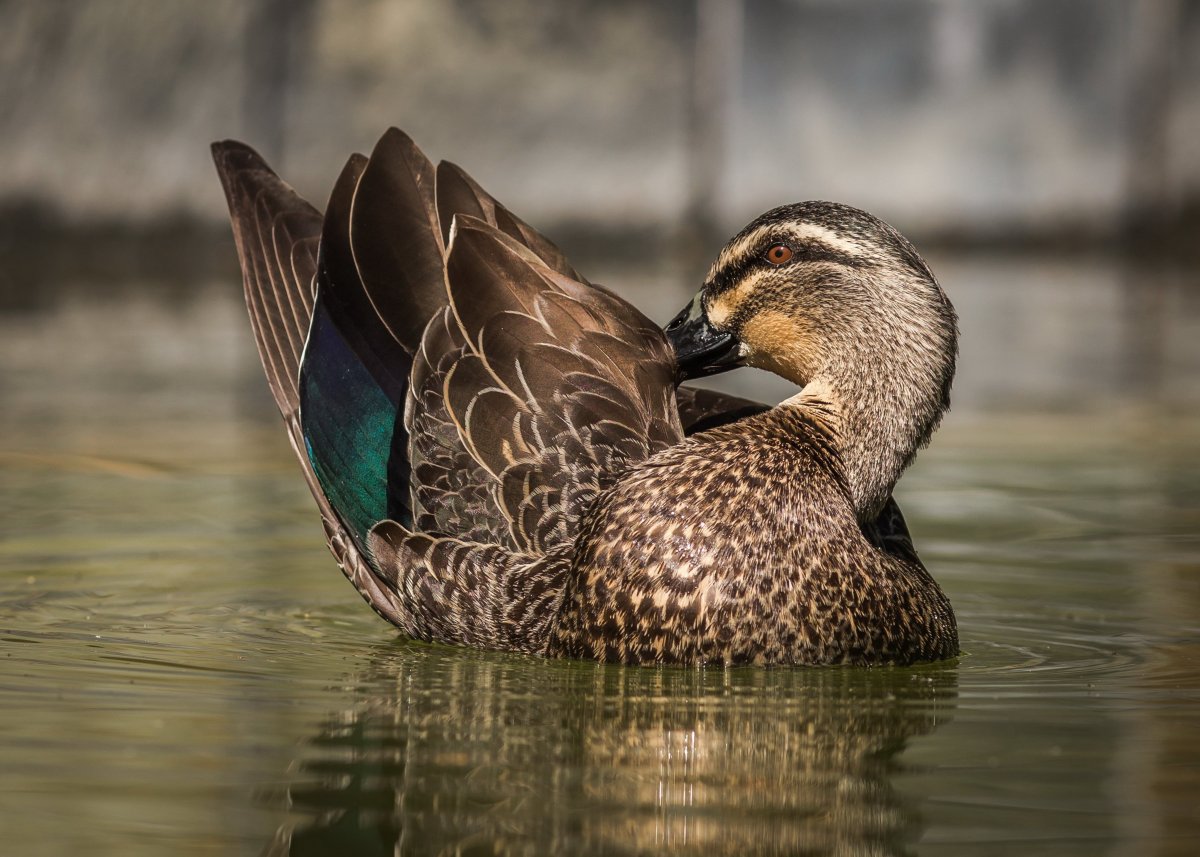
779,343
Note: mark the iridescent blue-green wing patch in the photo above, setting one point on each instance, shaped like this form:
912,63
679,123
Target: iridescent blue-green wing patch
380,278
348,422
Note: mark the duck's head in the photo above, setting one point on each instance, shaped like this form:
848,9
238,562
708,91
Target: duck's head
836,301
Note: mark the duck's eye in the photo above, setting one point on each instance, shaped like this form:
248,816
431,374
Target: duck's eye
779,253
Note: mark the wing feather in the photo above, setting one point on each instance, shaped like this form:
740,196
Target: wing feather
395,239
271,223
459,194
453,494
529,383
452,491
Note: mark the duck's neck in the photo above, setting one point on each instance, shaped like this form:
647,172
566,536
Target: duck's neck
880,412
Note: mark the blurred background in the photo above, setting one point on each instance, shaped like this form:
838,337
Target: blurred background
997,120
639,136
159,547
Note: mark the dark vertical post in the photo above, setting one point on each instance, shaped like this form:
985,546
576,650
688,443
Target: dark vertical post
1154,37
1151,209
716,71
276,33
958,39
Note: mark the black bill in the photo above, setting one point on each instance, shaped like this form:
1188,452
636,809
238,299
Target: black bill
700,349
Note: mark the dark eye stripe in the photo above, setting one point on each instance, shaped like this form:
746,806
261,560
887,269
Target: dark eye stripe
809,251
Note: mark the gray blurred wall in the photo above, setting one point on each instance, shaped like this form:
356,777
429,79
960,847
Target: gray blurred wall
943,115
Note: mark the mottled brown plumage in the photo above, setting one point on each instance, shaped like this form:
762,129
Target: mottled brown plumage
786,575
502,459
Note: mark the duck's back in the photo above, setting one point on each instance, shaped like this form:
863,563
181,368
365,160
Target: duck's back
741,546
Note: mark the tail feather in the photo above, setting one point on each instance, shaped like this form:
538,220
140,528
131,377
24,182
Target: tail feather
395,239
276,233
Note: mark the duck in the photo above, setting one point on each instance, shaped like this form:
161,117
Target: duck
503,457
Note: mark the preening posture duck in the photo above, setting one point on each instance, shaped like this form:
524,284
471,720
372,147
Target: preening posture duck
502,457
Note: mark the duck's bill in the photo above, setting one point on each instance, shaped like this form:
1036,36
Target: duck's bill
701,349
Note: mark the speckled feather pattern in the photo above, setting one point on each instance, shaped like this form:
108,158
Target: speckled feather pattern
789,577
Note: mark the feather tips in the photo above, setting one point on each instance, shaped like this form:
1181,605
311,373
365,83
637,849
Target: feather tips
459,194
563,386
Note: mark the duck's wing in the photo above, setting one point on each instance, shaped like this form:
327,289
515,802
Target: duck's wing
452,493
460,195
562,385
277,235
380,278
554,388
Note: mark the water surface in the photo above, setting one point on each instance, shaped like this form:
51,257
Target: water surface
184,670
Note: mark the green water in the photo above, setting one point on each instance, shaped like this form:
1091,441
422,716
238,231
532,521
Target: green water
184,671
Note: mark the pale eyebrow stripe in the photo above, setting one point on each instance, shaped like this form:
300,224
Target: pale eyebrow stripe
812,234
831,239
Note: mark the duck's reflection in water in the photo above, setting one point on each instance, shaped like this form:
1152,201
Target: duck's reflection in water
443,751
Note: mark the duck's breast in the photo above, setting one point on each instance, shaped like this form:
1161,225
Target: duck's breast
703,553
737,549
